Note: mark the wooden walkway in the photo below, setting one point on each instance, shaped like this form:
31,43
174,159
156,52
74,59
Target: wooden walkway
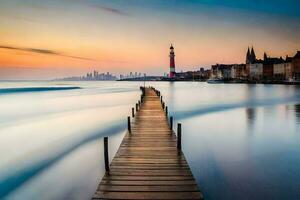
148,164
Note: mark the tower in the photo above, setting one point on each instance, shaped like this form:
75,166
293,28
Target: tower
172,62
248,56
265,56
253,56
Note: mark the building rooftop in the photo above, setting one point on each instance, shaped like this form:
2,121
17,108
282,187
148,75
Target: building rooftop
297,55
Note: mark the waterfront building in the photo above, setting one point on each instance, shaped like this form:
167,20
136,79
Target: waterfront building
233,72
268,66
296,66
238,71
222,71
207,74
256,70
288,68
280,71
214,71
268,69
172,62
250,59
199,75
204,73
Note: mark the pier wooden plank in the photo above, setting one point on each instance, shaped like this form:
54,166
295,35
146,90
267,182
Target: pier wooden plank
148,164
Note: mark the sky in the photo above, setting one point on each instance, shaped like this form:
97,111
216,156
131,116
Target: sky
46,39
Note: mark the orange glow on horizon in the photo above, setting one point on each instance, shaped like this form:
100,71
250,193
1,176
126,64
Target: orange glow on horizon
135,40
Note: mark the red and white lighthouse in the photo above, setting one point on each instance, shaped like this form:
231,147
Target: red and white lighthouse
172,62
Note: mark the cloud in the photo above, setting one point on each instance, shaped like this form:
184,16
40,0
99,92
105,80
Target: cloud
111,10
43,51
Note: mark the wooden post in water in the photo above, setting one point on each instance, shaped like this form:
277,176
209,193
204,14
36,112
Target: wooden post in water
179,137
167,110
132,112
137,107
128,124
106,159
171,123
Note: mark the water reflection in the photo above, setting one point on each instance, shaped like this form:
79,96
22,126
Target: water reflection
217,119
297,112
228,164
49,127
250,114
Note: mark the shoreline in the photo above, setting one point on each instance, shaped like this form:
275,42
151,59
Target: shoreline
273,82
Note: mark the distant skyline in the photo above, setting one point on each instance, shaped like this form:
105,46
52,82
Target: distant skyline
45,39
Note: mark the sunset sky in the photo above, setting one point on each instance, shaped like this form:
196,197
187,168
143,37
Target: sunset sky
44,39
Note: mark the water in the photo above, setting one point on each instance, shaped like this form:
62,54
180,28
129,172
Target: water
241,141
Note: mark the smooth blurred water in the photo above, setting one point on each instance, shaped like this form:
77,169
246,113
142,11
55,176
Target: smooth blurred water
51,140
241,141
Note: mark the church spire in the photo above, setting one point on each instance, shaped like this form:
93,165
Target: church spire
265,56
248,56
252,55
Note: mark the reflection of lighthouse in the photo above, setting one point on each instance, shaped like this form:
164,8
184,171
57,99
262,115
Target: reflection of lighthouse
172,62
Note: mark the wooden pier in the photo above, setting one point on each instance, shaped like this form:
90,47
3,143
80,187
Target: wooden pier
149,163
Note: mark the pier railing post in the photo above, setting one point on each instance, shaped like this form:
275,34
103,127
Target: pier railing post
132,112
161,99
106,158
136,107
171,123
167,110
179,137
128,124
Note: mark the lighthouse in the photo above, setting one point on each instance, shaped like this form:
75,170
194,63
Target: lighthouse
172,62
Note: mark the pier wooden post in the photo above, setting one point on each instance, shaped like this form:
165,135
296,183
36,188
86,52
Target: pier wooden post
128,124
136,107
132,112
106,159
179,137
167,110
161,99
171,123
139,104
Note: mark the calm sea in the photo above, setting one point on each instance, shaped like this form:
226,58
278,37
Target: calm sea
241,141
